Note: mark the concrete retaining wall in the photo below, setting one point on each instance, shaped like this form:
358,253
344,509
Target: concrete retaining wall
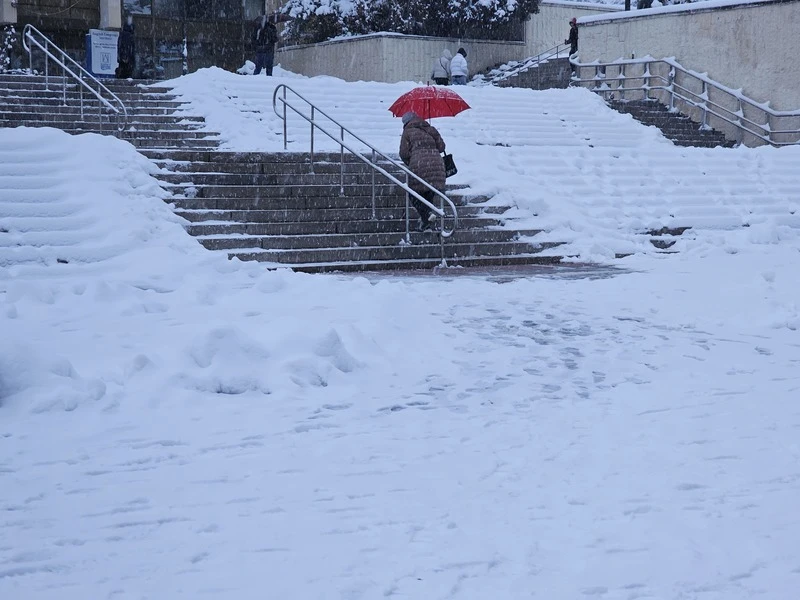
751,46
391,57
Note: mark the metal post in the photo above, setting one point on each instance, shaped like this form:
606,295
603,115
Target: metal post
705,104
312,138
341,161
284,118
373,184
408,229
81,87
671,86
441,227
621,82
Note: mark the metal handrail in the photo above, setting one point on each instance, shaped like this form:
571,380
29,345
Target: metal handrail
440,211
530,63
29,35
765,131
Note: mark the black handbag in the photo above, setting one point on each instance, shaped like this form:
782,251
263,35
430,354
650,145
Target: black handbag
450,168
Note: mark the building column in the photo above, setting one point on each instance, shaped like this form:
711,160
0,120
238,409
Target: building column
110,14
8,11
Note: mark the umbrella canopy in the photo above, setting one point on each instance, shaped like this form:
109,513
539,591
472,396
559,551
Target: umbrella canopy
429,102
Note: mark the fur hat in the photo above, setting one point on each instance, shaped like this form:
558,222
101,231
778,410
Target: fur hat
408,116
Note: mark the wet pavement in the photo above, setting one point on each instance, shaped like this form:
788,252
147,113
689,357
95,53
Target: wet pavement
504,274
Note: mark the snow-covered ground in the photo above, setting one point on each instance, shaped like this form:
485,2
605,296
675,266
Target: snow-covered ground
177,425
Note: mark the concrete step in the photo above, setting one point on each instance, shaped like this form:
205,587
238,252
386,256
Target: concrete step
357,211
299,177
431,250
88,124
154,143
256,192
74,112
213,222
337,240
92,108
432,264
74,97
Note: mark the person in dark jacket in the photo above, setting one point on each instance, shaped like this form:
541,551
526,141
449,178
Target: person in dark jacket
572,40
421,149
266,36
126,50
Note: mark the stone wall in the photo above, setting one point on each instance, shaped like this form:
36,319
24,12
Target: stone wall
752,46
550,26
391,57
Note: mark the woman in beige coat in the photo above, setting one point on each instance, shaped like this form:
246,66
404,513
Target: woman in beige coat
421,149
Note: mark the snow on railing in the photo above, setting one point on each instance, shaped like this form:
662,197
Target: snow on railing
675,85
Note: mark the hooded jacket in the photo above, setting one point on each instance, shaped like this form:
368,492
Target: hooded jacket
458,66
126,44
420,148
441,66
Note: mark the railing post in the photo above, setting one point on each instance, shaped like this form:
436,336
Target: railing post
408,230
284,119
312,138
374,161
621,82
341,162
64,87
671,86
705,104
81,86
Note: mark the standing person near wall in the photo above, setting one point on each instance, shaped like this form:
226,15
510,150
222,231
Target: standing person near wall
265,37
458,68
572,40
126,50
421,149
441,68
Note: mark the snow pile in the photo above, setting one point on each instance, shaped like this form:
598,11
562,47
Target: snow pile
78,202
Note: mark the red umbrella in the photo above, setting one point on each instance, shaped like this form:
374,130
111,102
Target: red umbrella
429,102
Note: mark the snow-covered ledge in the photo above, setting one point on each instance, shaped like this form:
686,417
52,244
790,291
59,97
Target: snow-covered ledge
8,11
747,44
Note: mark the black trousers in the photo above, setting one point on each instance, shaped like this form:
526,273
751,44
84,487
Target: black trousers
441,80
264,60
423,209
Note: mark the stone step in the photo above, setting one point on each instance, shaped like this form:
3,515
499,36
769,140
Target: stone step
337,240
37,111
154,143
322,159
25,88
218,222
46,98
431,264
396,252
299,177
74,112
256,192
358,210
87,124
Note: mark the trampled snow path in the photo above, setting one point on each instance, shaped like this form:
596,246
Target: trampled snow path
567,441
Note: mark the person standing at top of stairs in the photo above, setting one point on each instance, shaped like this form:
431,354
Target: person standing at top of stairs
441,68
572,40
458,68
266,36
126,50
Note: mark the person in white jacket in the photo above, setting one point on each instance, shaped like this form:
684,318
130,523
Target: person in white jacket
441,68
458,68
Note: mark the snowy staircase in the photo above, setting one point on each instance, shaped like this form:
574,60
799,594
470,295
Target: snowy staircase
274,208
675,126
156,119
536,75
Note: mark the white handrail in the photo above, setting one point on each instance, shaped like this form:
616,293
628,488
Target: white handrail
372,163
736,118
29,35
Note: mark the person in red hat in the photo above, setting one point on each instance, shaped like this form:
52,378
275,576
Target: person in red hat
572,40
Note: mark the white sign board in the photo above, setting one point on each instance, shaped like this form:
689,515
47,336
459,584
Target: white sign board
103,49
